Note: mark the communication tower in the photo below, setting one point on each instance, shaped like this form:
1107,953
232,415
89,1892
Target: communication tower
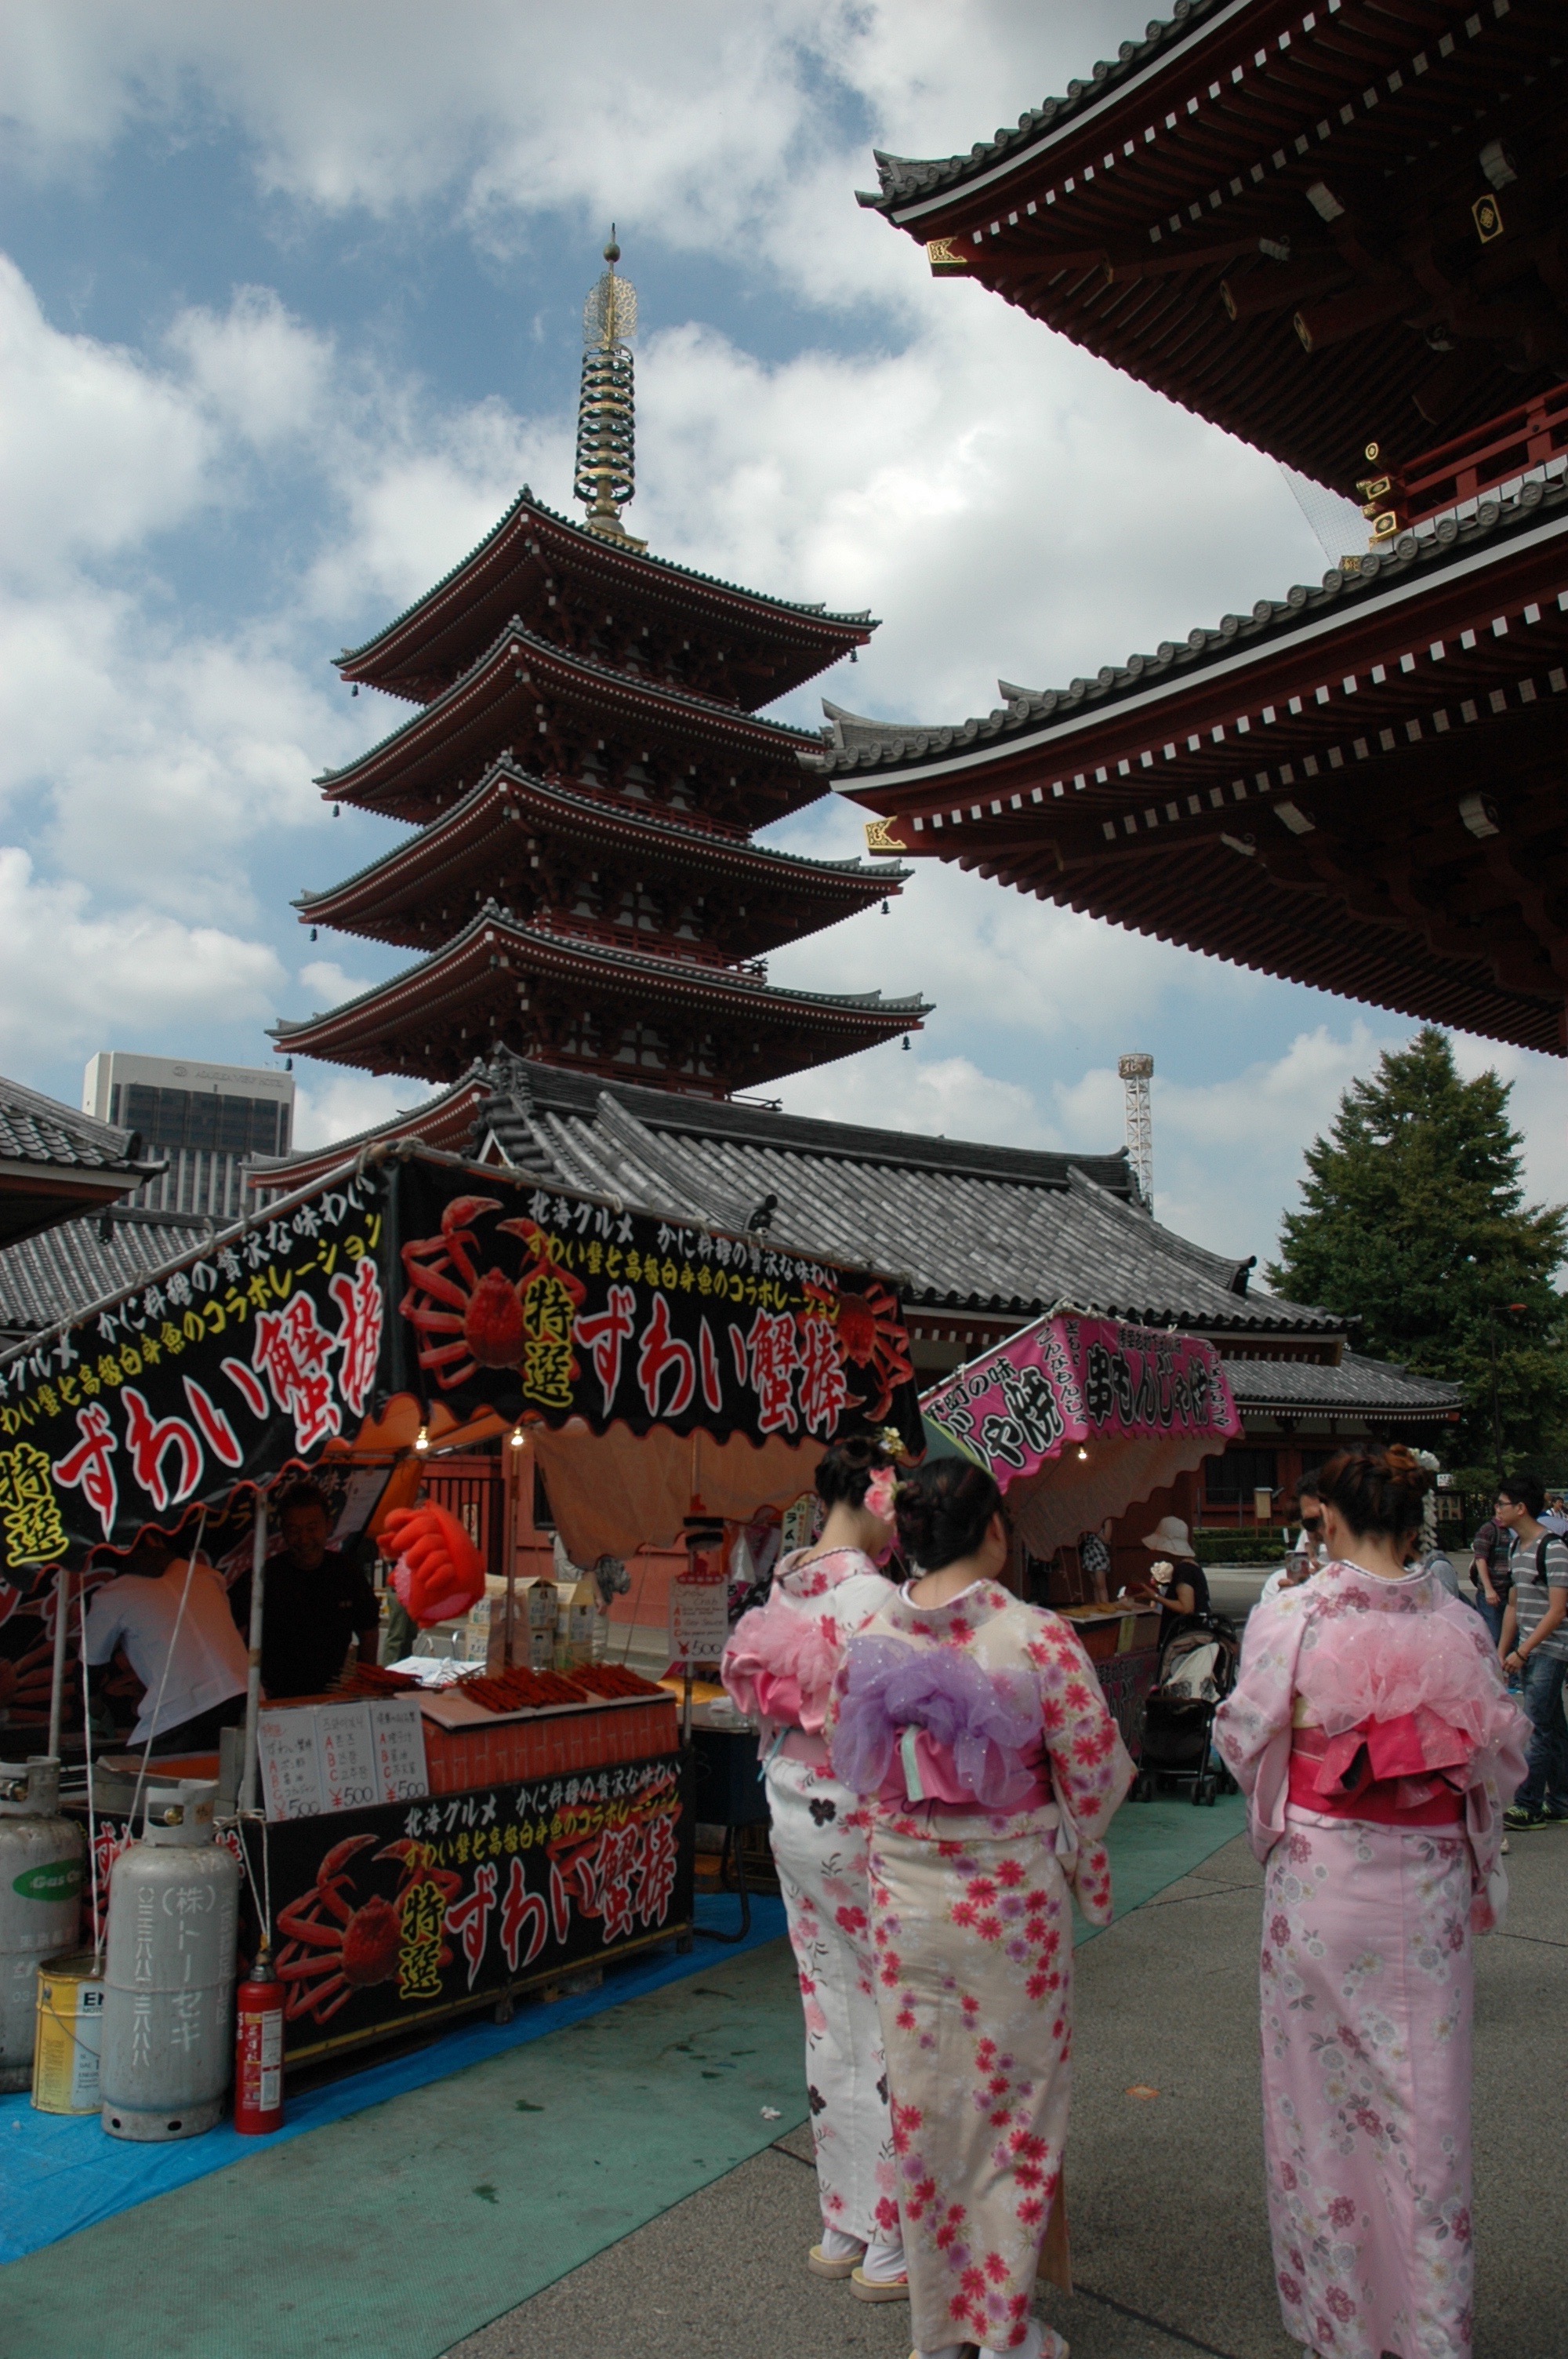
1137,1072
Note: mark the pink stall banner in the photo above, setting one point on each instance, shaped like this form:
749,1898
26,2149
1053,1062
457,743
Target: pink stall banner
1072,1379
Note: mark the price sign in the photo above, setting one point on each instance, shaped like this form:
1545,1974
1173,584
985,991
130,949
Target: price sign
699,1619
399,1735
290,1764
351,1779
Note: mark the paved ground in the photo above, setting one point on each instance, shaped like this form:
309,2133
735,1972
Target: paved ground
1170,2244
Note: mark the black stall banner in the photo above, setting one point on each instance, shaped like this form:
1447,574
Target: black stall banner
387,1913
261,1350
567,1307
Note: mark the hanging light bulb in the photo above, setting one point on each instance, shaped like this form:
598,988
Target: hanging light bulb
422,1439
1082,1451
519,1438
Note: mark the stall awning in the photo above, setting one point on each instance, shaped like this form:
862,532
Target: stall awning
411,1290
1077,1417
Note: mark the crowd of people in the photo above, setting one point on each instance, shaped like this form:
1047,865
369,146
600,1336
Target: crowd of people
942,1769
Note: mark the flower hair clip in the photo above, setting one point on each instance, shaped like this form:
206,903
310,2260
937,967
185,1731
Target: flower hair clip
881,1492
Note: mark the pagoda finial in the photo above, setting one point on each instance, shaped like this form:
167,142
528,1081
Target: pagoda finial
606,460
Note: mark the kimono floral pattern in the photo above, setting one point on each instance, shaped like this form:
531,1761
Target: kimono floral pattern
1366,1974
819,1845
971,1931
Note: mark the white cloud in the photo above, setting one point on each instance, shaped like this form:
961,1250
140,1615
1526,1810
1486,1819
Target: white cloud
253,367
329,1105
329,985
65,972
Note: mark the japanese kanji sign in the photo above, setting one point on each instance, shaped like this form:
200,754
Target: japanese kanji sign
1071,1379
517,1297
259,1349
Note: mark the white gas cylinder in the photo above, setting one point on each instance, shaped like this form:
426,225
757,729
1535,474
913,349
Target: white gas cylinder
41,1863
168,2035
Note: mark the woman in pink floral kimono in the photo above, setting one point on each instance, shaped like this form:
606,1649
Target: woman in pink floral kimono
1372,1733
975,1727
779,1666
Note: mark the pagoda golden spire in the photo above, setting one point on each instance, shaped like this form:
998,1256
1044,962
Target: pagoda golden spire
606,474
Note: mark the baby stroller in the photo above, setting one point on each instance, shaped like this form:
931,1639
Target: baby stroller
1198,1670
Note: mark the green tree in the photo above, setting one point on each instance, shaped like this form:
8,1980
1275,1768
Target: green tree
1414,1223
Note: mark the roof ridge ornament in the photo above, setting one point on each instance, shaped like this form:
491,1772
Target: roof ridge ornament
606,474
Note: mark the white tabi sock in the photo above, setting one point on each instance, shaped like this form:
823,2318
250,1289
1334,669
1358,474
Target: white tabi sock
837,2246
885,2262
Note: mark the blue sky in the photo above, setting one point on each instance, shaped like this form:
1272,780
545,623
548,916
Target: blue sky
291,303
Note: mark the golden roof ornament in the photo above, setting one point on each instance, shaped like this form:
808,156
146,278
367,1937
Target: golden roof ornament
606,474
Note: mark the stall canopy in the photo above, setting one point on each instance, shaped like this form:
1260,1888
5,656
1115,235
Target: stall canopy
661,1370
1077,1417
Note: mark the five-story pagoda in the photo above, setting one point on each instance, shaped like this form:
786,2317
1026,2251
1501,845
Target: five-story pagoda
585,776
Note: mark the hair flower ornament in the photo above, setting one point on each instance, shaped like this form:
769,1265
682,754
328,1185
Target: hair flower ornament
881,1492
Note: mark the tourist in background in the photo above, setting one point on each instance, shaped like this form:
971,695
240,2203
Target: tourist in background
1175,1581
1534,1646
779,1666
1306,1552
975,1727
1489,1551
1373,1737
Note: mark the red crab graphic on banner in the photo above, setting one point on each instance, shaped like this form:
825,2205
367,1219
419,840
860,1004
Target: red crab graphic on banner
466,1321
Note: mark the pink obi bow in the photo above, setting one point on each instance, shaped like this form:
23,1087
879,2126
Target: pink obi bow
922,1769
1417,1759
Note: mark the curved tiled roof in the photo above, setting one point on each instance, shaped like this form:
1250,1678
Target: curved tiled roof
854,742
1355,1383
904,177
43,1278
814,612
35,1129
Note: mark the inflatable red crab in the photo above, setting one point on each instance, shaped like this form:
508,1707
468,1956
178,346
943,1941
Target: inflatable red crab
439,1573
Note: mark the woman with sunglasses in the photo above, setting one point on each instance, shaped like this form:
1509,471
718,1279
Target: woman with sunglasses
1372,1735
976,1729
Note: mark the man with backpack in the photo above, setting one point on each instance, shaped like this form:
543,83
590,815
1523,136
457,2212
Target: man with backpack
1535,1645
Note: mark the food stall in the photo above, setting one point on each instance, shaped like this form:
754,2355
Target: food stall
1077,1418
419,1850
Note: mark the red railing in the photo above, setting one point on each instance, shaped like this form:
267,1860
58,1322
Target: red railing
1453,473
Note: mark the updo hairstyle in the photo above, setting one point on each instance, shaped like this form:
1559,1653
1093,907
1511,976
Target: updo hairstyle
1378,1489
1526,1491
844,1472
944,1510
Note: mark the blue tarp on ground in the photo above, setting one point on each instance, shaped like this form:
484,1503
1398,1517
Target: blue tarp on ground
60,2174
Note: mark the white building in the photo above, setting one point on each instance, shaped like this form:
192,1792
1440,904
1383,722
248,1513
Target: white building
206,1118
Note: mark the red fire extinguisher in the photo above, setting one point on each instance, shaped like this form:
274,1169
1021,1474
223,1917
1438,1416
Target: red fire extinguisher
258,2050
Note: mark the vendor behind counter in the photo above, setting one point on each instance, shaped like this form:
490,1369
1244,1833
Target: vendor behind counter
171,1617
317,1604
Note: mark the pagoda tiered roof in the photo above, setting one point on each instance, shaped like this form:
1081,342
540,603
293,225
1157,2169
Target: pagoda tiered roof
1318,226
595,1005
523,689
524,843
1357,787
535,560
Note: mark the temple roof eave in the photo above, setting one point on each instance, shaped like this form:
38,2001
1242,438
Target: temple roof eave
454,839
798,619
857,750
698,715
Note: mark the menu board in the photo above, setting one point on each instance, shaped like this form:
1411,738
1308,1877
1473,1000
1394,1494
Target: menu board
351,1779
290,1764
353,1756
399,1734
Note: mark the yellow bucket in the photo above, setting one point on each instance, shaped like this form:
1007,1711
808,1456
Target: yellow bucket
70,2029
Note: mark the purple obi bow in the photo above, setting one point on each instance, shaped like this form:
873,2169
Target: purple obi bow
983,1724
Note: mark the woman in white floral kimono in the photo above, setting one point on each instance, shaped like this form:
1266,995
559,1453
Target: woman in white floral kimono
976,1728
780,1665
1372,1733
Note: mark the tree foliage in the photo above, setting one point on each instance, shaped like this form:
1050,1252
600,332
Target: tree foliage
1414,1222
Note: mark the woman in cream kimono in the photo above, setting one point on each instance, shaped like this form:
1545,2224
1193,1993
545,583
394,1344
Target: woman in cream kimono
976,1729
1372,1733
779,1666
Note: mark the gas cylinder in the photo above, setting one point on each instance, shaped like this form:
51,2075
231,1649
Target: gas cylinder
42,1857
169,1971
258,2050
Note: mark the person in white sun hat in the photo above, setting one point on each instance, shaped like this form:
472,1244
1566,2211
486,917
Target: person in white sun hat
1175,1580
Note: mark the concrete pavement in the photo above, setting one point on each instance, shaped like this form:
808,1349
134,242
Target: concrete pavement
1165,2194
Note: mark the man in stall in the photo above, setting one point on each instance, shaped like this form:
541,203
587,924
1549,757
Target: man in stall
317,1604
171,1617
